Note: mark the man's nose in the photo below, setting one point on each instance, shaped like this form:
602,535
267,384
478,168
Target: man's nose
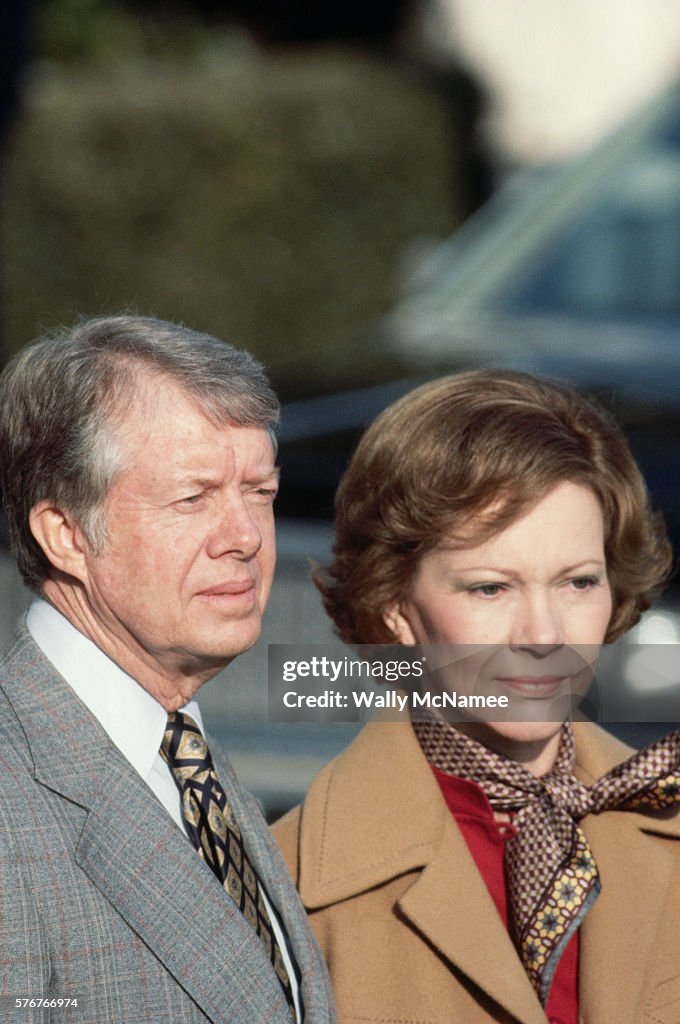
236,531
538,624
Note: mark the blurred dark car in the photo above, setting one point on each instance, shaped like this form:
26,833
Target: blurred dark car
571,272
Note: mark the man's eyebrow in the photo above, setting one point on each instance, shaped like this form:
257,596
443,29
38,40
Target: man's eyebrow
191,480
204,482
269,474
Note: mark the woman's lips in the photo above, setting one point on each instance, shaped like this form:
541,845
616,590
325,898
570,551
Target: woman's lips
533,686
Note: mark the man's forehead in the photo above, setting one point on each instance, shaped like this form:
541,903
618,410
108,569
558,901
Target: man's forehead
176,449
176,445
163,408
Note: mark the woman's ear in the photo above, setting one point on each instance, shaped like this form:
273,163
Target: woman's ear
61,539
396,620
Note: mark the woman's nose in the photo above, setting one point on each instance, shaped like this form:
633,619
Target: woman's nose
537,625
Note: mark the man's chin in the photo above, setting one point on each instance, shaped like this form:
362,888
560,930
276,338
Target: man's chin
220,652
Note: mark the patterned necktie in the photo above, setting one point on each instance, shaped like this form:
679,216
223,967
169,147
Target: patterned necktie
215,833
552,876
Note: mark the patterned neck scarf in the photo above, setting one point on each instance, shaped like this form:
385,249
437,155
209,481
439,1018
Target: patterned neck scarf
551,873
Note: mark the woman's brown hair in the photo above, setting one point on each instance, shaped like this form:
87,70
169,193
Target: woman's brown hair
465,456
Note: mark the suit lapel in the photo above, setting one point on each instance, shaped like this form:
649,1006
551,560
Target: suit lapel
266,858
150,873
135,854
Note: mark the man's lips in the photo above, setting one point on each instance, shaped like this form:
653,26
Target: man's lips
232,588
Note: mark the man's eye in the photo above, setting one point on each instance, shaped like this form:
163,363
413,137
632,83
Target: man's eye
190,500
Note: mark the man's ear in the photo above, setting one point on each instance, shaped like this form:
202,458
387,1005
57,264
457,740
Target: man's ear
396,620
61,539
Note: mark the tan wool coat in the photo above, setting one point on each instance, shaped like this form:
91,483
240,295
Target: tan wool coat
407,925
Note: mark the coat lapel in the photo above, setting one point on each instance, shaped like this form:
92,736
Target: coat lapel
451,906
351,840
136,855
637,872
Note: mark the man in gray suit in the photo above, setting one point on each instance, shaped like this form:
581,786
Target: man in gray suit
138,882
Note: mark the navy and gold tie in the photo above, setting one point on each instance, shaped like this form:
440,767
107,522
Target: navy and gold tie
215,833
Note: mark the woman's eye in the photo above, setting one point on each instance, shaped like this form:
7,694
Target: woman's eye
487,589
584,582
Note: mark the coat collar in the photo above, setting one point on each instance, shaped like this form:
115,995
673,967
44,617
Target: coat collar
353,800
376,812
133,852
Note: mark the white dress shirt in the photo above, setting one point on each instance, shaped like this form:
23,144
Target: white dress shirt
133,719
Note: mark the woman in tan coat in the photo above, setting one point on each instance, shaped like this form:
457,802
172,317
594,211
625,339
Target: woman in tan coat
484,871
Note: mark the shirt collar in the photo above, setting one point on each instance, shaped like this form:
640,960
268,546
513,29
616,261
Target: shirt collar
133,719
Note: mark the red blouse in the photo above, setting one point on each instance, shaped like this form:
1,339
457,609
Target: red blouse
486,839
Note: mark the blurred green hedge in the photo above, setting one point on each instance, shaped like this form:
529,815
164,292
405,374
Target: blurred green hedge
268,201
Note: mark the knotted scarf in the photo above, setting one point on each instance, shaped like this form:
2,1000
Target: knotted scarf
551,873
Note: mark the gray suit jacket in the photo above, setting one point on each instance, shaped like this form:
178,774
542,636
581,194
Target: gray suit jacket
104,900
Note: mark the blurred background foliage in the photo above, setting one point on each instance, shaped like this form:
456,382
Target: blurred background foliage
182,163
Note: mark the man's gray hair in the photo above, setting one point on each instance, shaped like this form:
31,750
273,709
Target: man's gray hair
61,397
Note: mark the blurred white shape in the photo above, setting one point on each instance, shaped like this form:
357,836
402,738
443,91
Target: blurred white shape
652,663
652,670
560,75
658,627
